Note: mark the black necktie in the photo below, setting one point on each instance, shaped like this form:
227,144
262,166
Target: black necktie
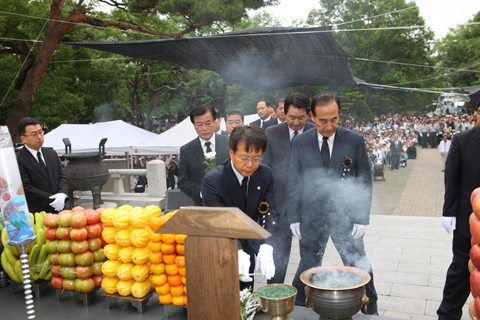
39,158
294,135
263,125
244,190
208,143
325,153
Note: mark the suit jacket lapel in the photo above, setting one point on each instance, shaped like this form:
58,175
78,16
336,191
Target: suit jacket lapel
475,148
338,153
253,195
285,138
234,189
29,157
198,151
316,148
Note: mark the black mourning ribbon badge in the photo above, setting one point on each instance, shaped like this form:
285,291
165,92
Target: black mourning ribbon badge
347,163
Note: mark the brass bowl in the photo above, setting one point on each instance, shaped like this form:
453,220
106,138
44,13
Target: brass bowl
277,309
335,303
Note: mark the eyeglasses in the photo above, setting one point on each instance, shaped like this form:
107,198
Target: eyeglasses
247,160
35,134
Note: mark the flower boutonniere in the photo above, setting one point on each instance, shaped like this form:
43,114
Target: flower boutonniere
347,163
210,161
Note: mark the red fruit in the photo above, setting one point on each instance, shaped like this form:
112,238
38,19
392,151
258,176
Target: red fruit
67,260
103,242
476,306
64,246
51,233
103,225
94,244
78,234
79,246
472,242
63,233
475,281
98,280
92,216
68,284
475,230
55,258
6,196
100,210
471,266
473,294
84,272
63,212
56,270
84,259
475,193
57,282
476,206
50,220
475,256
64,219
78,220
95,231
78,208
84,285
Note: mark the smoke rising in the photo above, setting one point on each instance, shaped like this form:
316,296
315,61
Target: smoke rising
335,279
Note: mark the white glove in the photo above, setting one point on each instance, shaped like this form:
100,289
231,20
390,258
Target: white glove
449,223
358,230
265,261
244,266
59,202
295,227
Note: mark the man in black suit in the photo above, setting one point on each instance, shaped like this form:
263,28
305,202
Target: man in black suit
192,155
43,180
396,151
233,119
329,193
263,112
245,183
462,176
277,157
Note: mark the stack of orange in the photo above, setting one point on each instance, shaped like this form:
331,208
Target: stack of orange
127,270
168,263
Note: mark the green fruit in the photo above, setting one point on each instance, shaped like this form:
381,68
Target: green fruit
18,270
8,268
32,258
45,268
9,255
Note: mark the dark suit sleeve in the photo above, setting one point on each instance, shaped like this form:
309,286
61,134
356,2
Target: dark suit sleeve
270,199
33,194
294,188
453,177
210,195
362,215
185,183
267,156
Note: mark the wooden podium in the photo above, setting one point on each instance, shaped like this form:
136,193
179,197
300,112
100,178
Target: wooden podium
211,258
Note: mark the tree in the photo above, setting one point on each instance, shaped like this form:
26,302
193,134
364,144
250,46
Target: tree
195,14
394,45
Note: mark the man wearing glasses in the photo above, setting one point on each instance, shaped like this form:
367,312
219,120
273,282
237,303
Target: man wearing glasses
245,183
43,180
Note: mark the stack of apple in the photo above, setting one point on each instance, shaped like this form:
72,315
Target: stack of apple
474,262
168,263
76,249
127,269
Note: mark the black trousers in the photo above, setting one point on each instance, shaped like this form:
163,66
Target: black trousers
281,250
251,253
352,252
457,284
424,139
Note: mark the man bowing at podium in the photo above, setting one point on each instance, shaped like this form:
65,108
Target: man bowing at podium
245,183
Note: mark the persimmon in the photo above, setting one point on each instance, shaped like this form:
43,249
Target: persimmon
178,301
175,280
180,249
171,269
181,271
165,298
168,248
155,257
180,238
180,261
168,238
158,268
163,289
154,246
169,258
177,291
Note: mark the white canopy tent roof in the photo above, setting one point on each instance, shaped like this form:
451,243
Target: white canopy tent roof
86,137
171,140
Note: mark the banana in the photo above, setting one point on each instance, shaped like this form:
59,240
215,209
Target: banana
40,237
8,268
41,258
32,258
39,222
44,214
4,236
9,255
33,219
18,270
45,267
33,277
15,251
49,275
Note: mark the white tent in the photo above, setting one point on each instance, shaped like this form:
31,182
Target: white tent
171,140
86,137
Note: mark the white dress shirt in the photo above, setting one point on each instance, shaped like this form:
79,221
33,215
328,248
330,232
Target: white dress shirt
292,132
330,141
34,154
212,144
444,147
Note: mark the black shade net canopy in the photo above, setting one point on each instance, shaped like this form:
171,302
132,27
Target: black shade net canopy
474,95
260,59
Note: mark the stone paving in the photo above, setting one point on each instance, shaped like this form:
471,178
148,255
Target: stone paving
407,246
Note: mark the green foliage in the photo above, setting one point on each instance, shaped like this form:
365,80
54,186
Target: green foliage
363,112
460,49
